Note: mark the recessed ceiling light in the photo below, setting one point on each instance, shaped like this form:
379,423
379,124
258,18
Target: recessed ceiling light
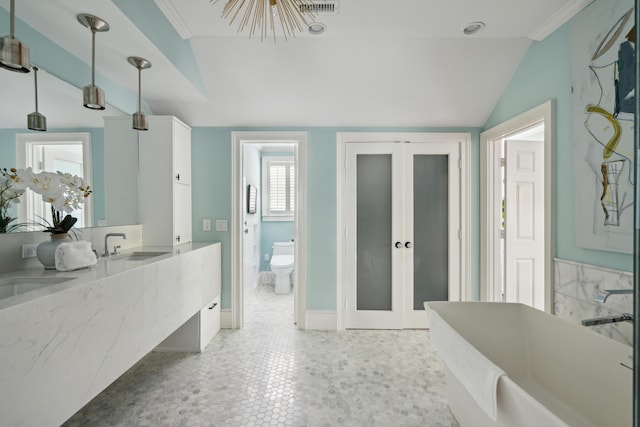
317,28
473,28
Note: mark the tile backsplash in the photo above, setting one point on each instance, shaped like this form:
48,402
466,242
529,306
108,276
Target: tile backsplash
11,243
576,286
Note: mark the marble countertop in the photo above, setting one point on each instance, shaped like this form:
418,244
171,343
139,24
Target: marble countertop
106,267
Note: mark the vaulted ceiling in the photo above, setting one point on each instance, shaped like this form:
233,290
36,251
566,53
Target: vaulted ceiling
379,63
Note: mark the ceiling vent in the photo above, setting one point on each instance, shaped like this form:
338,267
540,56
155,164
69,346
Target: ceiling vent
320,7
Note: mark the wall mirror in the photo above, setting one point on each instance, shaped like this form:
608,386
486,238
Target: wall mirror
252,197
61,103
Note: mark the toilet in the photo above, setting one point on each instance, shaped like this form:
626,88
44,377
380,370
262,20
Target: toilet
282,265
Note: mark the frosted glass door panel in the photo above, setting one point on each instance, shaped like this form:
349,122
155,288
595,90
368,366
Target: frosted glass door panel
373,242
430,229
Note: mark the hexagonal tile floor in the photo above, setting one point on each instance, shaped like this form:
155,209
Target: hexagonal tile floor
270,373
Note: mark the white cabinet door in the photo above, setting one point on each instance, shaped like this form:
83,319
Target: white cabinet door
181,213
181,152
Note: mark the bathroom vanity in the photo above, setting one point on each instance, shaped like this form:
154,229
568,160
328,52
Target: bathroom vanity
67,336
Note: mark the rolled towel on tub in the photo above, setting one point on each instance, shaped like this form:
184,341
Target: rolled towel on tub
476,373
74,255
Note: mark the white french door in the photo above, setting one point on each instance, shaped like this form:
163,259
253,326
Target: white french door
402,231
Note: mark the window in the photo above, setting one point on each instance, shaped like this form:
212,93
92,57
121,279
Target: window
65,152
278,188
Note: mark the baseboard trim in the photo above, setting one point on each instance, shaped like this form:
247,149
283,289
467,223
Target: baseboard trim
323,320
225,318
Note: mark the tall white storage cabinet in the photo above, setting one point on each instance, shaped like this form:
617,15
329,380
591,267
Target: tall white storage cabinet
165,182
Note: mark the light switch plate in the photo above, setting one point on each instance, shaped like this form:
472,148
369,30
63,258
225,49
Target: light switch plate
29,250
222,225
206,225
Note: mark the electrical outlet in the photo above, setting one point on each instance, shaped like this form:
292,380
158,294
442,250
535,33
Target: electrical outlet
29,250
206,225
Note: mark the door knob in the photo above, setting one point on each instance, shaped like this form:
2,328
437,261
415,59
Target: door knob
408,245
398,245
246,230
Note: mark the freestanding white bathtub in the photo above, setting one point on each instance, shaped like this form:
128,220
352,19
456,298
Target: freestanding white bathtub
557,373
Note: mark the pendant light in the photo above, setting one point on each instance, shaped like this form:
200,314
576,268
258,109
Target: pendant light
139,120
36,121
92,95
14,55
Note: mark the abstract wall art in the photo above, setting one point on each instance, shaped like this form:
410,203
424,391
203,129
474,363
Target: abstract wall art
603,100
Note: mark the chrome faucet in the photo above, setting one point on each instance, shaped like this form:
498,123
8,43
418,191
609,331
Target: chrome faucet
608,319
603,295
106,243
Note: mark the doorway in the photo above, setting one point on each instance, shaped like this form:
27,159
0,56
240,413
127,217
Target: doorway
268,210
403,227
516,196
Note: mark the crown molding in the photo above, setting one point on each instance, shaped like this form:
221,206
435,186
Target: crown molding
555,21
174,17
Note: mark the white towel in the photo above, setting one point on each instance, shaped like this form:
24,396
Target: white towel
74,255
476,373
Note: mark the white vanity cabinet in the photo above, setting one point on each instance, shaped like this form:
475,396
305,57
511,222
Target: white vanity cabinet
165,182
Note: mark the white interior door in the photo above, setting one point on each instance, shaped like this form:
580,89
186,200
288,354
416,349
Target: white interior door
402,232
374,228
431,220
524,223
250,257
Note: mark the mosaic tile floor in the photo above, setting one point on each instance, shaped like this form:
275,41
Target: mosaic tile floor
272,374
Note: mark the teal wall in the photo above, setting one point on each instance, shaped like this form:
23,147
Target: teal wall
544,74
211,187
97,181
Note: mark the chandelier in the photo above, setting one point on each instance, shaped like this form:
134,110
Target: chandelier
264,15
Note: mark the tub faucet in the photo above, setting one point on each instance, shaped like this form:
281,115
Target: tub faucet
603,295
608,319
106,243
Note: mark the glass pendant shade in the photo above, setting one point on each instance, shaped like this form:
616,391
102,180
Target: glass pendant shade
139,120
35,120
14,55
92,95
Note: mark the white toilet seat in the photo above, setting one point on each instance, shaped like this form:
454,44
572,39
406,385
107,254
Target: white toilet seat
282,261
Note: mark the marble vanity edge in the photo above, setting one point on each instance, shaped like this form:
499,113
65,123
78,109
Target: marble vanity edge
86,276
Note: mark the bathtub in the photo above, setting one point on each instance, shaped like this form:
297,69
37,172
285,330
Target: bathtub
557,373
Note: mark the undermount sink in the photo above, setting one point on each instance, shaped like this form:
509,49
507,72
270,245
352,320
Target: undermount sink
138,256
19,285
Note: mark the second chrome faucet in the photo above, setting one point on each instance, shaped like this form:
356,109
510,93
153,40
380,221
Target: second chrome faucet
106,243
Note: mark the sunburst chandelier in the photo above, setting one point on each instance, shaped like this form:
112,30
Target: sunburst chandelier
264,15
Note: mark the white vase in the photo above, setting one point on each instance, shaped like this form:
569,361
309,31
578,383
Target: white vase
46,250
